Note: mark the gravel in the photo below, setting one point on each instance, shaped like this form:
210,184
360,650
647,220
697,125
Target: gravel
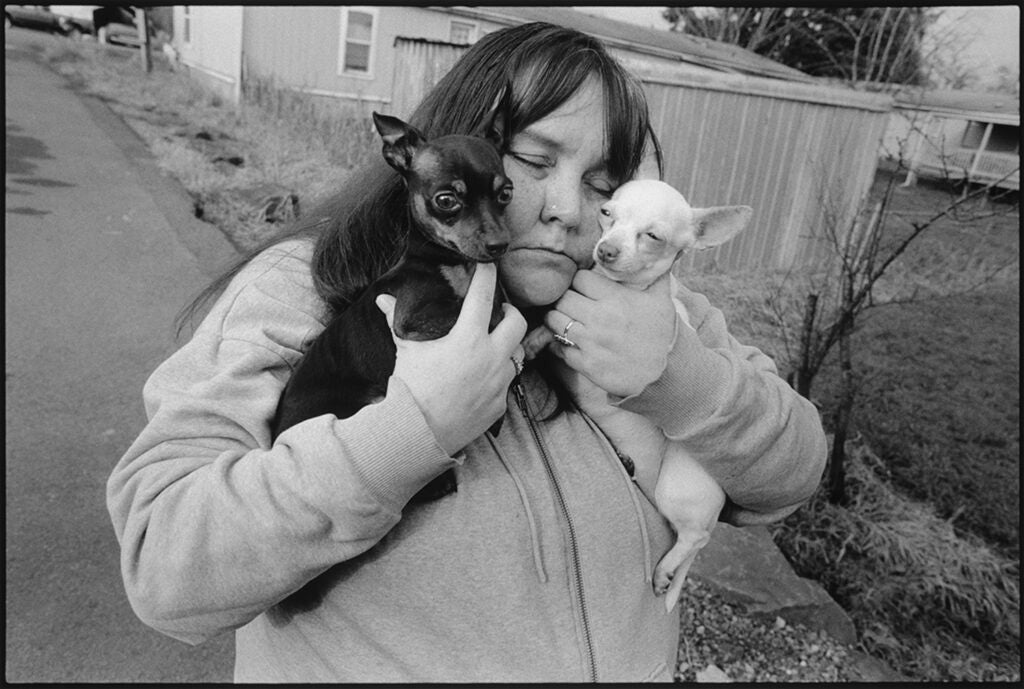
720,643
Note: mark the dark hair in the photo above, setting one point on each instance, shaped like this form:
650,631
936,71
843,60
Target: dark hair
360,231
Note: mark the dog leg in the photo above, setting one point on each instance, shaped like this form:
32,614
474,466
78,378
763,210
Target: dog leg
691,501
536,340
672,569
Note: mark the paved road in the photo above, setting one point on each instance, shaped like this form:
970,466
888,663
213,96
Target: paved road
100,253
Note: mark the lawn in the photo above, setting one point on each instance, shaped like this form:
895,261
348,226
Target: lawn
938,400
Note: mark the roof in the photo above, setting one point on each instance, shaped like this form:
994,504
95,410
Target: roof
660,43
985,106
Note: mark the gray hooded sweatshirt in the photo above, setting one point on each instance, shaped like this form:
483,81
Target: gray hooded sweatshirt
537,568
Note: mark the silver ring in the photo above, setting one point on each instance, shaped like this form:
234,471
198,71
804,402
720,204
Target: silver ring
564,337
518,364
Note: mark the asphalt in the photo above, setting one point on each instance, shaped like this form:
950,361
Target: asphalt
101,252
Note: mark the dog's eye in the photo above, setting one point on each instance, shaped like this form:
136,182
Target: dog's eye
505,196
653,237
605,212
447,202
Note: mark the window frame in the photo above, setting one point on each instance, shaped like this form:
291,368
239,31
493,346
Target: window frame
343,42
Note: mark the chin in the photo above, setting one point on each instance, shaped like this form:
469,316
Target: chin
539,291
530,280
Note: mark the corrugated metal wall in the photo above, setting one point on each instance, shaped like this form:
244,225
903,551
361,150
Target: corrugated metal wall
801,156
769,145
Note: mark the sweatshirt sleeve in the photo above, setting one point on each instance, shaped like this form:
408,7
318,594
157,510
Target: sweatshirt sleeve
216,524
726,403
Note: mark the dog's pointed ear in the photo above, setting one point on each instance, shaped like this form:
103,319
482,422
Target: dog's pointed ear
400,141
719,224
496,123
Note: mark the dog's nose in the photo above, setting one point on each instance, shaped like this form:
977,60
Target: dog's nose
607,253
496,248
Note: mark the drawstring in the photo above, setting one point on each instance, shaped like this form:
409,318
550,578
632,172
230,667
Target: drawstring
538,561
638,509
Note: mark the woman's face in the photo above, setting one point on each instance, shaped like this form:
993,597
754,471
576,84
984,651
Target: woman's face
558,169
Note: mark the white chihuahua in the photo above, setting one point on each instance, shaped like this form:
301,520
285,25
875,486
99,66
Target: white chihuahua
646,226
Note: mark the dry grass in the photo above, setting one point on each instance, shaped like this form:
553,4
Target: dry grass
279,140
936,604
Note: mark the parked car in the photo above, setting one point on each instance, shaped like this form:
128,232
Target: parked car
31,17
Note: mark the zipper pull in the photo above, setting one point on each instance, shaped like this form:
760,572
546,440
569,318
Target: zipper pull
519,394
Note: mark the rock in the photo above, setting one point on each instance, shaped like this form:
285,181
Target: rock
746,568
712,674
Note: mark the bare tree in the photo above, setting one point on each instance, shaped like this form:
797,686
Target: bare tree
852,44
860,253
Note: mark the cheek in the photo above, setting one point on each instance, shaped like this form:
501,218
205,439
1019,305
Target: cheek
582,241
524,209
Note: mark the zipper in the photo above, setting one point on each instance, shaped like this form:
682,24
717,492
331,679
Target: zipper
520,395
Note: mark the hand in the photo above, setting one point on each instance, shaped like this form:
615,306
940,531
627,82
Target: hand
622,335
461,380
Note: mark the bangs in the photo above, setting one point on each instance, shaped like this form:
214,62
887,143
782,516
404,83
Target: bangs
547,82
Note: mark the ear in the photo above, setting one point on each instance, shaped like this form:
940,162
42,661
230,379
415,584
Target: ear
719,224
495,124
400,141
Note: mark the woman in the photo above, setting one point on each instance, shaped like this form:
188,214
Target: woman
538,567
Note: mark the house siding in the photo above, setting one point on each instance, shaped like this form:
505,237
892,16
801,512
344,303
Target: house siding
797,153
791,159
298,47
213,52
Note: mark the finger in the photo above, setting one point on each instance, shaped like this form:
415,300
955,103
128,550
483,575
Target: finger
476,309
557,322
570,355
518,358
593,285
386,304
511,329
575,305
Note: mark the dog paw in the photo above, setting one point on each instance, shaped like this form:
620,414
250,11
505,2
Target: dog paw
536,340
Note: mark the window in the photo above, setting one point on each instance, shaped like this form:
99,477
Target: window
358,30
1003,139
973,134
186,32
462,33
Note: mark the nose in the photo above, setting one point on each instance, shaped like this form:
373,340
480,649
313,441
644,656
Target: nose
606,253
563,202
496,249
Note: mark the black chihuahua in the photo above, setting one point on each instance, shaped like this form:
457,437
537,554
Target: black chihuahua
457,194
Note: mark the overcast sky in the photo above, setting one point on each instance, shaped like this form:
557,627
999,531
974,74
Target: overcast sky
991,33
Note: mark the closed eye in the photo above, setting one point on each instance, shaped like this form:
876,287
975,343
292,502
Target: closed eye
654,237
537,162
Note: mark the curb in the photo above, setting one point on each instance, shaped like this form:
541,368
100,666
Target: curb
210,247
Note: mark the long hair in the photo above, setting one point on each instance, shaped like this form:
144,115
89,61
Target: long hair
360,231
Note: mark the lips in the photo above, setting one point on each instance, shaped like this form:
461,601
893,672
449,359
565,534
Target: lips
535,276
542,258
